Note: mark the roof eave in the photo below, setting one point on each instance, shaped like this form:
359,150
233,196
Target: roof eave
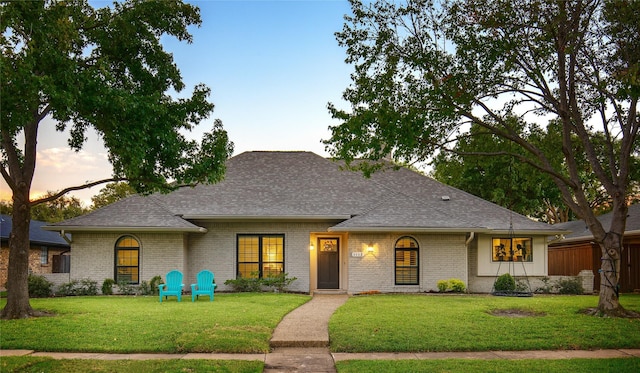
445,230
589,237
267,217
408,229
124,228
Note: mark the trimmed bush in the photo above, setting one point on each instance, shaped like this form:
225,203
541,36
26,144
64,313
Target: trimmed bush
456,285
39,286
79,287
125,288
443,285
570,286
453,284
279,283
255,284
155,281
107,286
505,283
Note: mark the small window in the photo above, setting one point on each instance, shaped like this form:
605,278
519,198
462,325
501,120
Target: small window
516,249
260,255
406,264
127,259
44,255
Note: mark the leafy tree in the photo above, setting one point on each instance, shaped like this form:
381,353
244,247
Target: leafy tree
111,193
516,185
426,72
59,209
106,69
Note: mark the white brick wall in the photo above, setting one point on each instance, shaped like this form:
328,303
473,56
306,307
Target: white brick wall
216,250
441,256
93,255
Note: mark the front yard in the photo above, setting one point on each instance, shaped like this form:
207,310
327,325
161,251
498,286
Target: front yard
411,323
377,323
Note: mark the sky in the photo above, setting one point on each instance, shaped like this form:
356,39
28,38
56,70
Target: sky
272,67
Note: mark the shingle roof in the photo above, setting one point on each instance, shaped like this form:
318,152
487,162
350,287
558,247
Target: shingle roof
580,231
135,212
303,185
37,236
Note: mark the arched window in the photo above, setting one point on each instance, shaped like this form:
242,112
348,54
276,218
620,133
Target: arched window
127,260
407,269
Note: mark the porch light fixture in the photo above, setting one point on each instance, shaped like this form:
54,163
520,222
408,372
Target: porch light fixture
310,247
370,248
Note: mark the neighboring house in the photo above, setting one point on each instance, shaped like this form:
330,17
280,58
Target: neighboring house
576,251
48,252
300,214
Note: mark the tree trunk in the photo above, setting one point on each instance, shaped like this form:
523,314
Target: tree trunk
608,303
18,305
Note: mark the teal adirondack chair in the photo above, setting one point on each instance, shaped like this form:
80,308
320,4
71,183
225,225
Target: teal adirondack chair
172,286
205,285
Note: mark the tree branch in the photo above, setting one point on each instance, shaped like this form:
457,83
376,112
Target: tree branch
71,189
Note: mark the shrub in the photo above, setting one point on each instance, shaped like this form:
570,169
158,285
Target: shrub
79,287
279,283
39,286
453,284
505,283
107,286
144,288
456,285
245,284
570,286
125,288
546,287
155,281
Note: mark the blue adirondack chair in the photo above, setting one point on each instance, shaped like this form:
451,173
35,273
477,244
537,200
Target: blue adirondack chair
205,285
172,286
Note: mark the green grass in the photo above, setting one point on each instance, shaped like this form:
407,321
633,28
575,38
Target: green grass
236,323
42,364
502,366
410,323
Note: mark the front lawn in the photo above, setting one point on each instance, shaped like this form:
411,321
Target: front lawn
502,366
235,323
44,364
412,323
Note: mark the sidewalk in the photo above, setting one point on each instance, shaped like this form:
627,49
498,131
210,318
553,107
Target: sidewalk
341,356
300,343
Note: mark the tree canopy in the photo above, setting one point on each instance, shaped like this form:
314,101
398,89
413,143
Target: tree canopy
111,193
104,69
426,72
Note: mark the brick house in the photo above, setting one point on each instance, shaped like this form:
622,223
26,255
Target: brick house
48,252
300,214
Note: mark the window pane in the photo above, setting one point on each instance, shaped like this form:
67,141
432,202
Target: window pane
44,255
127,254
272,270
406,276
406,243
512,249
406,265
260,254
248,270
248,249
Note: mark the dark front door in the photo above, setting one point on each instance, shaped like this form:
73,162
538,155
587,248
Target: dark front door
328,263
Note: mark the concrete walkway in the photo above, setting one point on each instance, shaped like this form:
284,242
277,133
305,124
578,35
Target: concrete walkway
300,343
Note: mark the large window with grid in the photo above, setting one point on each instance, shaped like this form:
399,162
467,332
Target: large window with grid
512,249
406,264
260,255
127,260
